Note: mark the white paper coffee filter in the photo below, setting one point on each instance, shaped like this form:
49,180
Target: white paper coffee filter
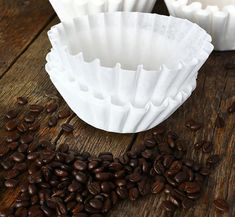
109,113
136,56
69,9
217,17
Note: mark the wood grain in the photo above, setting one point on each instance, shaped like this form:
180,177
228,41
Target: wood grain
20,23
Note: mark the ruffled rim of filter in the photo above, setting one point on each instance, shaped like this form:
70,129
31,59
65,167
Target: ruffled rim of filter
187,6
100,99
202,55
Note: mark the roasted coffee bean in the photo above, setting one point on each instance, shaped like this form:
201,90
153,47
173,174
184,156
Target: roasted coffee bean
52,122
219,122
94,188
28,118
12,114
181,177
192,187
11,125
21,212
231,109
33,127
22,100
107,187
18,157
80,165
4,150
213,160
167,160
207,147
11,174
122,192
81,177
11,183
193,125
65,113
157,187
51,107
22,127
133,194
106,156
36,108
5,212
68,128
204,171
13,137
187,203
22,148
104,176
61,173
135,177
168,206
32,189
150,143
221,205
7,164
174,168
171,142
13,146
158,167
95,203
47,211
20,166
26,139
74,186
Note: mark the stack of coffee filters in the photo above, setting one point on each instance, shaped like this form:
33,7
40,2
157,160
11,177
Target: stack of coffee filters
122,70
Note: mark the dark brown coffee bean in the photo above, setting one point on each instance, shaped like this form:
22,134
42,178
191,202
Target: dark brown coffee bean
5,212
22,127
174,168
95,203
181,177
193,125
231,108
94,188
11,125
13,146
133,194
4,150
150,143
158,167
144,187
168,206
33,127
26,139
135,177
167,160
21,212
207,147
157,187
104,176
61,173
11,183
187,203
122,192
20,166
74,186
80,165
219,122
12,114
13,137
221,205
81,214
29,118
18,157
11,174
204,171
47,211
51,107
22,100
36,108
159,130
52,122
65,113
22,148
68,128
32,189
192,187
81,177
115,166
7,164
213,160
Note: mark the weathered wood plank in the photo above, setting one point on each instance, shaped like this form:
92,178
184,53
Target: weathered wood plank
20,23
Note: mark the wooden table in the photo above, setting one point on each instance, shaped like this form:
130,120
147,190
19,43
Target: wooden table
23,47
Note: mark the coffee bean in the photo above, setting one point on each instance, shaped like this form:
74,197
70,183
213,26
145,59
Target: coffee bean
213,160
95,203
11,174
192,187
150,143
122,192
133,194
135,177
22,100
104,176
221,205
29,118
174,168
11,125
204,171
193,125
68,128
11,183
36,108
13,137
33,127
157,187
32,189
22,127
52,122
12,114
22,148
94,188
20,166
187,203
5,212
4,150
51,107
181,177
65,113
207,147
231,109
61,173
80,165
74,186
7,164
81,177
26,139
168,206
18,157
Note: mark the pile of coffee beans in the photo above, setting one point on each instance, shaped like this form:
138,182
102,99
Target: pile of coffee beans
61,182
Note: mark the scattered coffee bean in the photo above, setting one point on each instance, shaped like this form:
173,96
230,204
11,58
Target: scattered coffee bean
36,108
29,118
12,114
51,107
11,125
13,137
213,160
11,183
221,205
33,127
22,100
4,150
157,187
22,127
68,128
65,113
193,125
26,139
52,122
231,109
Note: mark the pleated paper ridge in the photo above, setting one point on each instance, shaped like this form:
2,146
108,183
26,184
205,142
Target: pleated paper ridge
218,22
140,86
105,113
69,9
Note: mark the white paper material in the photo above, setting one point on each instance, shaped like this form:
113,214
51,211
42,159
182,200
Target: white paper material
69,9
108,113
217,17
136,56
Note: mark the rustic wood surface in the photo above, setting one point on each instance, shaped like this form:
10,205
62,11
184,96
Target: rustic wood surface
23,47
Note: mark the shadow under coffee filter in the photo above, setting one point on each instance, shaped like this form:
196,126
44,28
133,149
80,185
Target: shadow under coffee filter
69,9
135,56
217,17
110,113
